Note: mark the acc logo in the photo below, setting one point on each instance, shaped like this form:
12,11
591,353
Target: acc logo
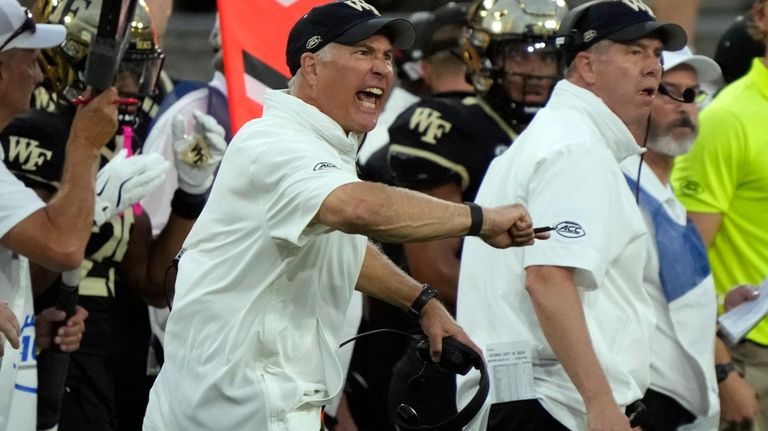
313,41
324,166
690,187
570,229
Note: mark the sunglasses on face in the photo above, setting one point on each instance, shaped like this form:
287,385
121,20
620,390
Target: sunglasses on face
27,25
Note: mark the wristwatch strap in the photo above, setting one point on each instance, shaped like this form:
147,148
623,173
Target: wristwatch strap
722,371
427,293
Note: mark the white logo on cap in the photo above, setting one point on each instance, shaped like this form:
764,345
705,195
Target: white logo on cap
360,5
638,5
589,35
313,41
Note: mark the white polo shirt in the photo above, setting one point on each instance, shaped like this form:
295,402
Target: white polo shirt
565,169
18,368
683,349
261,295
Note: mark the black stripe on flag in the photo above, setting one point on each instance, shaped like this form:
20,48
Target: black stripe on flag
262,72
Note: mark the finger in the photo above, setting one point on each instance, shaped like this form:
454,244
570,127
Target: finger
68,340
435,348
208,124
543,235
178,128
14,322
12,335
52,315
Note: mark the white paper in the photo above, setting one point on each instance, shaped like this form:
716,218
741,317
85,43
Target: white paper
511,371
735,324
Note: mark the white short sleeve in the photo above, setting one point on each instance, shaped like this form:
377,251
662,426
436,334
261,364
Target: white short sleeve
576,192
305,177
18,201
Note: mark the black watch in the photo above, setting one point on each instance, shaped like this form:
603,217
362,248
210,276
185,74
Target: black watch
722,371
427,292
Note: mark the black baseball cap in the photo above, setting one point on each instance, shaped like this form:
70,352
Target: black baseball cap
344,22
618,21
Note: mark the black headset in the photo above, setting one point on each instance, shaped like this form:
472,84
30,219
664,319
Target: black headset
688,96
456,358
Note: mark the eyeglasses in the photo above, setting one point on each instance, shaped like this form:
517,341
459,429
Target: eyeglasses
27,25
676,94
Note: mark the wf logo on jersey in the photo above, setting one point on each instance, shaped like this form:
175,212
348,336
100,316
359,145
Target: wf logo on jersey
26,153
430,124
569,229
360,5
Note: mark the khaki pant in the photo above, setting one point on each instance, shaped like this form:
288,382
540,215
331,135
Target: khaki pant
752,361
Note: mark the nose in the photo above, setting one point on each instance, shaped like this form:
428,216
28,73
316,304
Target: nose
381,65
654,67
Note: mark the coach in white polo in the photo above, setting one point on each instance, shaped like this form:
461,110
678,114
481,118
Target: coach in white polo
565,324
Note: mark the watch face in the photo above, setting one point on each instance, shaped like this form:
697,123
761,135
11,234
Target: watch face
723,370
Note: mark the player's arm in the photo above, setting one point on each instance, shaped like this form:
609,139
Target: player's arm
558,308
147,260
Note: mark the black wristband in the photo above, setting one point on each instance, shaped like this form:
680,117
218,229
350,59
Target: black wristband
187,205
427,293
476,215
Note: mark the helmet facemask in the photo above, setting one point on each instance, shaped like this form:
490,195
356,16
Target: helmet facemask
511,57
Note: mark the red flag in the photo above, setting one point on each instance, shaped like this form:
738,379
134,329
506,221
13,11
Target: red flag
254,34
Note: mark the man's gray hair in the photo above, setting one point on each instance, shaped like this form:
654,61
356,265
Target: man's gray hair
598,48
324,54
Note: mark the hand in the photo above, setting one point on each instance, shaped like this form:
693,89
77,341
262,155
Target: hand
9,326
606,416
124,181
508,226
96,122
437,324
68,337
197,155
739,295
738,401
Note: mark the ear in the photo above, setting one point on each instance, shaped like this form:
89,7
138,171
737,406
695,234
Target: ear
426,72
759,15
585,66
309,63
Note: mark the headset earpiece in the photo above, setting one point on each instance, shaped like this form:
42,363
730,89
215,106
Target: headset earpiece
407,415
688,96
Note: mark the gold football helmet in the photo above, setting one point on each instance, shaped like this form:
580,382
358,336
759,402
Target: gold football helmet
510,53
64,65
